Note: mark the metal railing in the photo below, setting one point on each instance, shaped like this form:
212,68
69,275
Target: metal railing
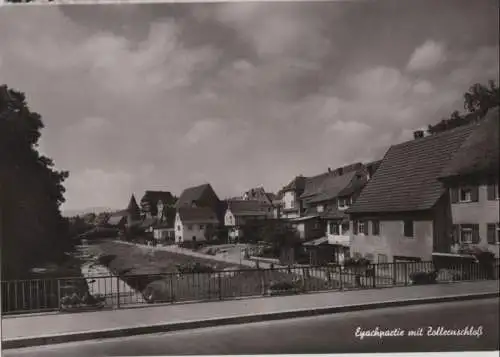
40,295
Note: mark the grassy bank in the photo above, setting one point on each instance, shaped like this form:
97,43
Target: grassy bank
156,274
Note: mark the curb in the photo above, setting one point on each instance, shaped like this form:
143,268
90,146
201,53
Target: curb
243,319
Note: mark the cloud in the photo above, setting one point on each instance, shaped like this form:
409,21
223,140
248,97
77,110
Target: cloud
96,187
427,56
167,96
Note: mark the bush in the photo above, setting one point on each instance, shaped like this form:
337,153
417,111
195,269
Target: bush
423,278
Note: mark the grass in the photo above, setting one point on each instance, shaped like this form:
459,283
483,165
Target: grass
155,274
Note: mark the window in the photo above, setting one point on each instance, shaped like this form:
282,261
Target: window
202,226
465,195
355,227
362,227
190,227
344,202
493,192
320,208
334,228
468,233
382,258
408,228
178,227
345,228
375,227
493,233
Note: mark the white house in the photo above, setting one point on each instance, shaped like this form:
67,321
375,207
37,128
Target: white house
194,224
241,213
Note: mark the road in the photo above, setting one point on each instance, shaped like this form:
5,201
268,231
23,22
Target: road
321,334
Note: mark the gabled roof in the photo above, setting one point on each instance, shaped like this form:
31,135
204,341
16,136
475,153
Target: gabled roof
328,187
297,184
193,194
116,219
148,222
247,208
480,152
132,206
197,215
259,194
407,179
153,197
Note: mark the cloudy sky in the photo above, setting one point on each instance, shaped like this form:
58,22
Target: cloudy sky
165,96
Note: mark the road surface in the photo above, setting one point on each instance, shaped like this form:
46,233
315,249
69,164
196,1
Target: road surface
321,334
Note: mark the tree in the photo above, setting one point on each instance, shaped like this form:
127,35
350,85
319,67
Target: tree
477,101
279,235
33,229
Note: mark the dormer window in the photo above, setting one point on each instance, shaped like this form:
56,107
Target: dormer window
344,202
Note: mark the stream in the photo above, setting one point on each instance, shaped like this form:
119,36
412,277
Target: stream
101,280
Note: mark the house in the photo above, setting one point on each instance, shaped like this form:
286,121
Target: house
291,205
128,218
195,224
269,200
325,198
244,215
151,200
472,177
403,211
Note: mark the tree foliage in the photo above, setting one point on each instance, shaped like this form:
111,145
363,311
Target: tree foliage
279,234
31,189
477,101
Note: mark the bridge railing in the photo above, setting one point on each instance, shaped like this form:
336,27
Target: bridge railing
78,293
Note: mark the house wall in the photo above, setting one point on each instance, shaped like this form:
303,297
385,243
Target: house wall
392,242
310,229
186,232
229,219
290,200
481,212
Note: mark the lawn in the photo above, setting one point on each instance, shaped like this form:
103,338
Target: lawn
155,274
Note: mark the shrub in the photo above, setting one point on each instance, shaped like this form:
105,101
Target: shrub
422,277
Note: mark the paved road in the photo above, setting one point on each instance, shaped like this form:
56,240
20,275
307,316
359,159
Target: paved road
323,334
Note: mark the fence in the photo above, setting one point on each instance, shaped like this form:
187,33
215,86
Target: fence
39,295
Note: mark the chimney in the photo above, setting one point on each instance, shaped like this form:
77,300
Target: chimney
418,134
340,171
329,169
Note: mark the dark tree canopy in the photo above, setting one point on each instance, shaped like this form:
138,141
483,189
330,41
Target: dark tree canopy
33,230
477,101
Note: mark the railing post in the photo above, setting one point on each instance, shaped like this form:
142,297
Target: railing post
172,288
58,294
394,274
340,277
219,277
117,292
405,272
374,270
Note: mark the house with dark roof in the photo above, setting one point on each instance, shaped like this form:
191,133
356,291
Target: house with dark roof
325,199
151,199
195,224
472,177
245,215
268,199
403,212
127,218
291,205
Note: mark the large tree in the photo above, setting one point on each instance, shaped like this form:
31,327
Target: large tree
31,191
477,101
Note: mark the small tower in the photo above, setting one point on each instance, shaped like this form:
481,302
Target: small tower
133,211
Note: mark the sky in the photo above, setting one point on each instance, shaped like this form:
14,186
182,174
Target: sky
238,95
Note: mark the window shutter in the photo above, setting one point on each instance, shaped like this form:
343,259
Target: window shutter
455,234
355,227
491,233
454,195
475,233
474,193
491,192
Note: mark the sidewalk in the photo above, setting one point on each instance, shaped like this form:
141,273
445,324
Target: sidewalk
23,331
